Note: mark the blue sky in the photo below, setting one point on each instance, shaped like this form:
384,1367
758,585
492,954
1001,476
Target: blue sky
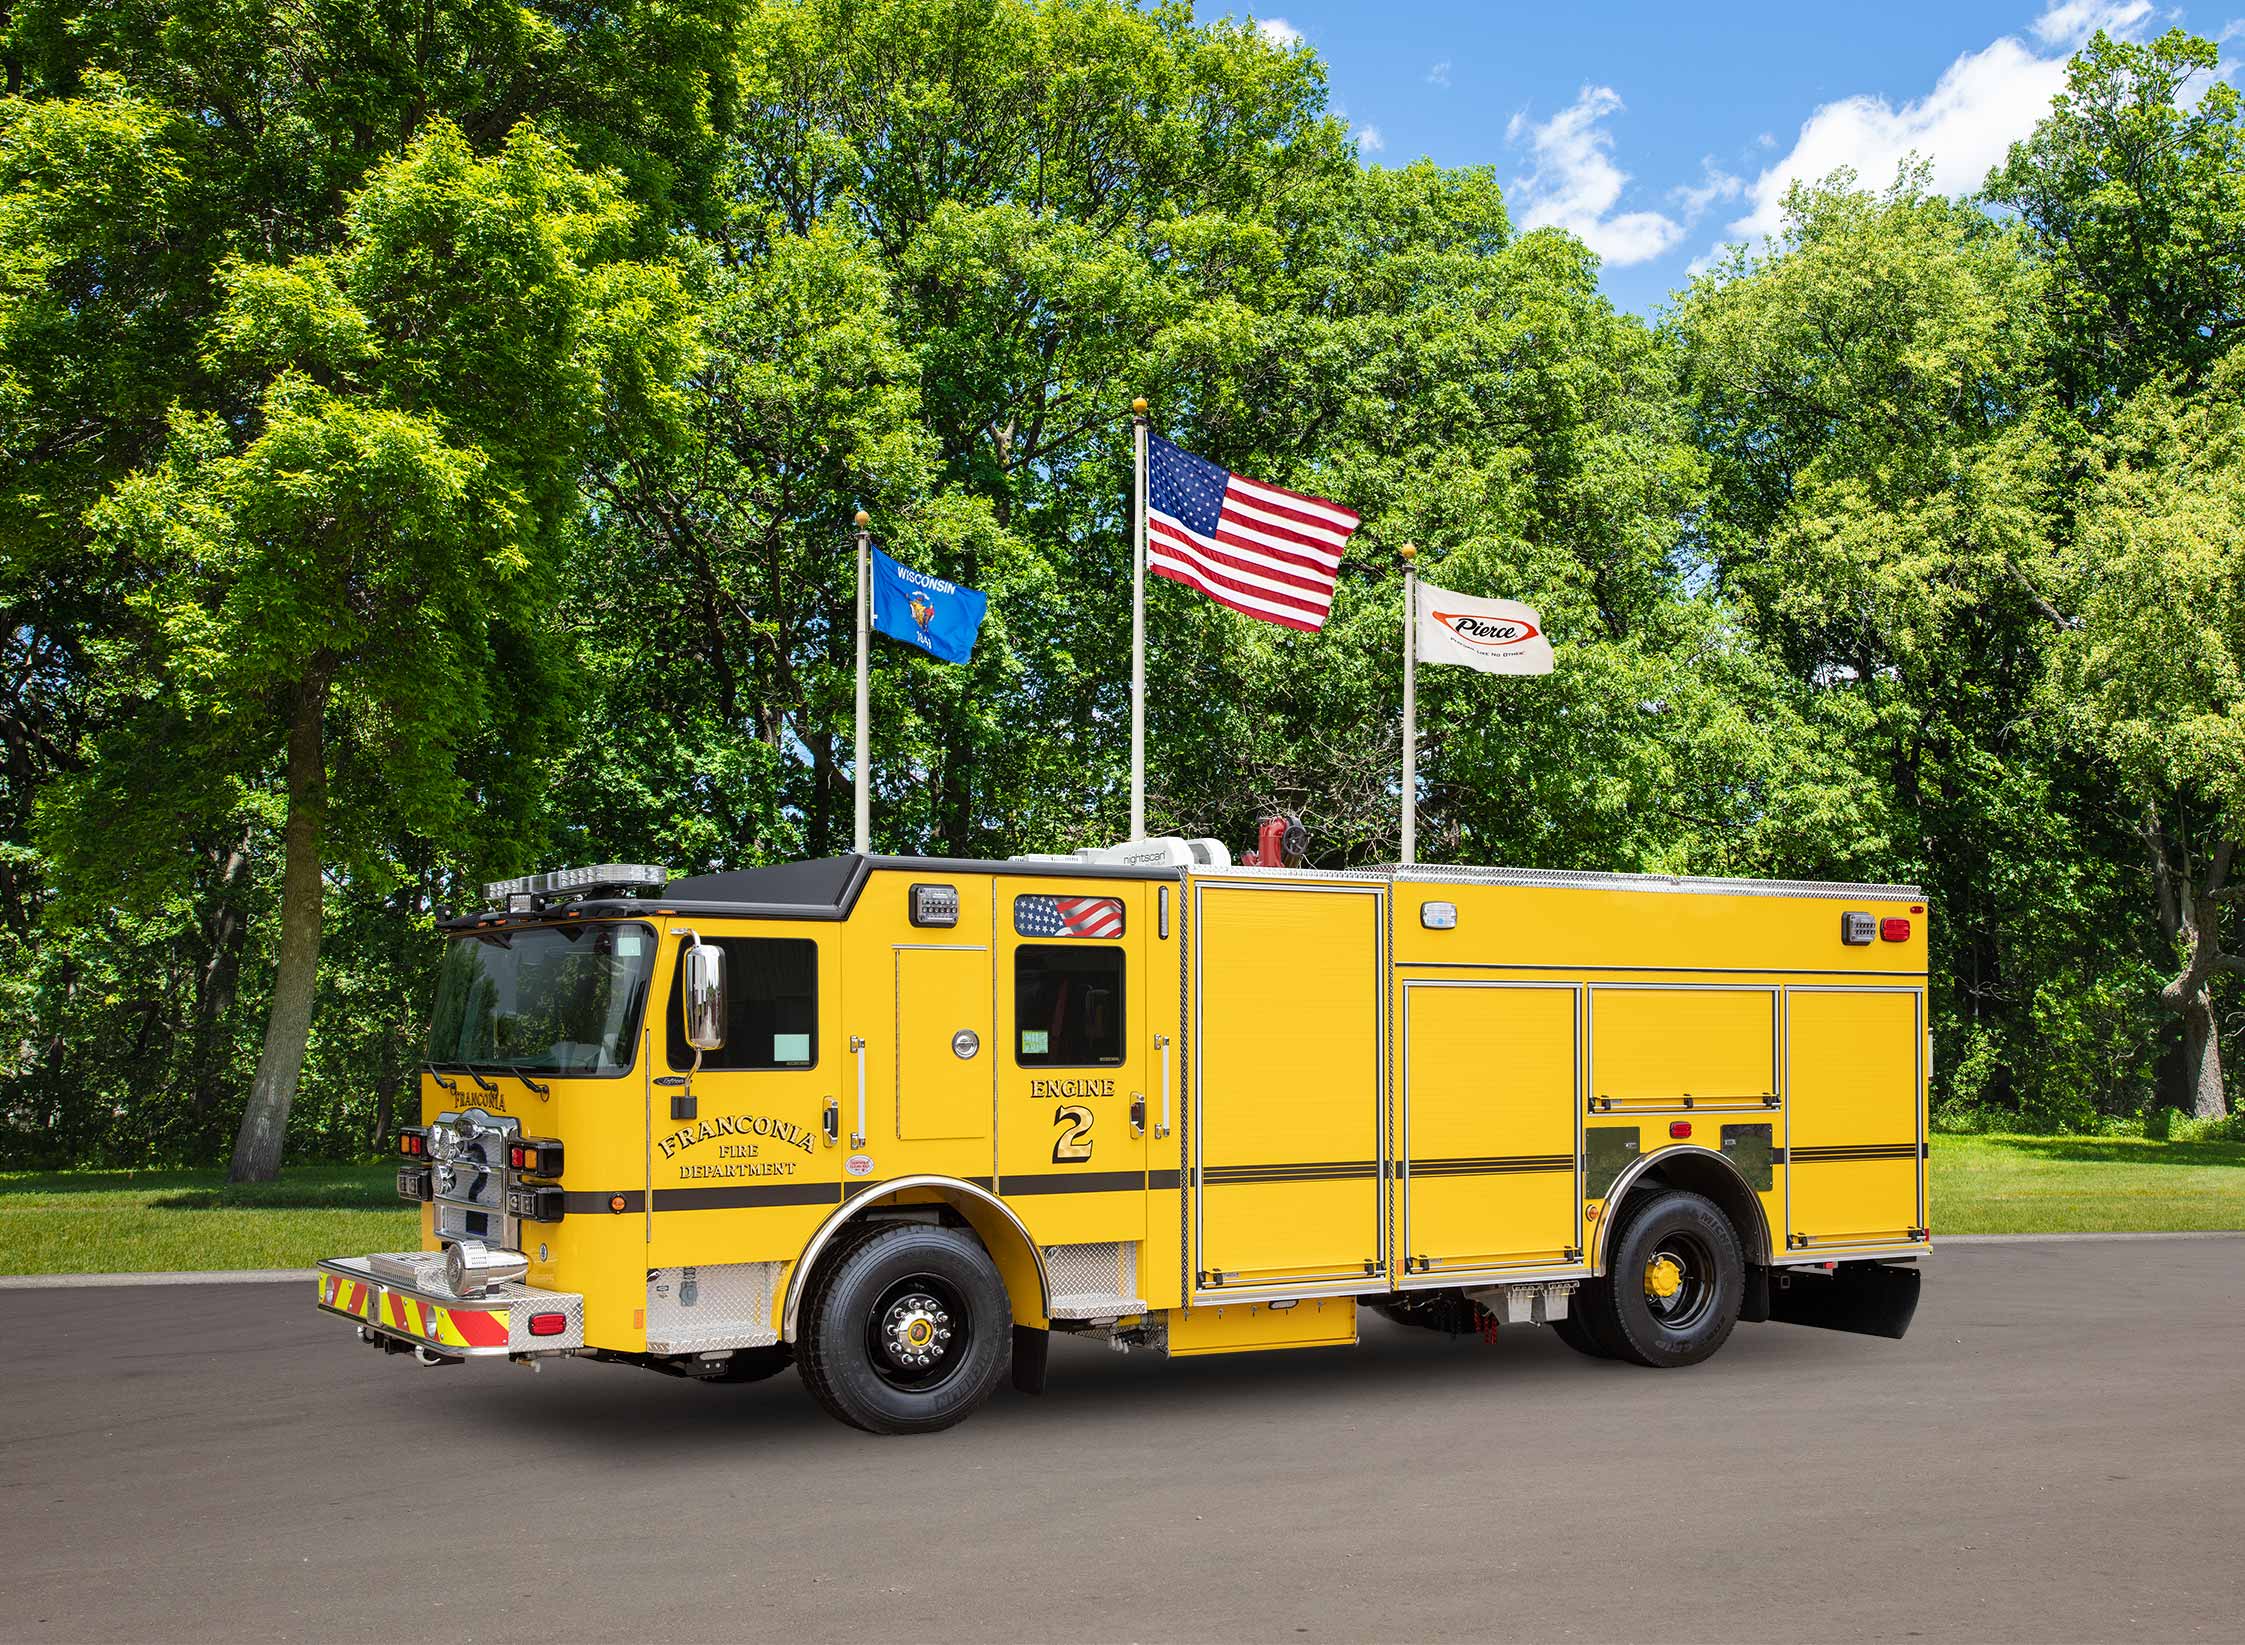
1658,131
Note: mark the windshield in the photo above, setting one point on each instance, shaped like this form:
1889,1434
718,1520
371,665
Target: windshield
548,999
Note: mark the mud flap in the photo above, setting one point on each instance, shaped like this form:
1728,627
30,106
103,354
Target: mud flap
1873,1299
1031,1348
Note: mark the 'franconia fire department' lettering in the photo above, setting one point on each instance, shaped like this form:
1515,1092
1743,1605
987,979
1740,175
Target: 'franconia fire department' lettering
736,1125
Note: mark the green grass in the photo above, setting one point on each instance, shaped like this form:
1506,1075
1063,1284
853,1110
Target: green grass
86,1222
2045,1185
121,1222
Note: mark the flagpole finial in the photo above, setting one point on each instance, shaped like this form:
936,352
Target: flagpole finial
863,519
1407,553
1138,407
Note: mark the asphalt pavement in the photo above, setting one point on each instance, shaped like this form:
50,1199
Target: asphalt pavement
2054,1454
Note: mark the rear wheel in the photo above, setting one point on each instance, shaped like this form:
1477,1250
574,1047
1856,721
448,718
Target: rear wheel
1673,1284
1574,1330
906,1330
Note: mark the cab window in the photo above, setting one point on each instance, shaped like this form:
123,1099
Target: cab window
1067,1005
771,994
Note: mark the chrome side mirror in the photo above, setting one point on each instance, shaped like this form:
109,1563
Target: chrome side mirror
705,997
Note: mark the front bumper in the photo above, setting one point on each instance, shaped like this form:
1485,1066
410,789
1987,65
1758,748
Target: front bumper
402,1295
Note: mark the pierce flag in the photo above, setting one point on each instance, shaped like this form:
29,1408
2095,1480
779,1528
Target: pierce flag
1494,636
941,618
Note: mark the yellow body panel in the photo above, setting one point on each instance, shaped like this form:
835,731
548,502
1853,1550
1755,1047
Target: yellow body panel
1653,1046
1290,1075
1357,1102
1490,1081
1855,1153
1241,1327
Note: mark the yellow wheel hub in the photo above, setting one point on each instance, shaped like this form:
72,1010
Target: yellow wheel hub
1664,1277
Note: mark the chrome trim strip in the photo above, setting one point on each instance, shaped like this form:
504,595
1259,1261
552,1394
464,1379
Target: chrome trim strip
1441,874
1644,1163
1845,1253
834,1224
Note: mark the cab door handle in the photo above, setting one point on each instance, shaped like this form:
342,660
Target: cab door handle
1138,1113
831,1122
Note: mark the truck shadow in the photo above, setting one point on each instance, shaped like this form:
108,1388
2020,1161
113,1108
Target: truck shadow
631,1419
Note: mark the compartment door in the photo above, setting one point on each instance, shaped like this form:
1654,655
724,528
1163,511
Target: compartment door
944,1090
1288,1087
1855,1118
1490,1112
1661,1048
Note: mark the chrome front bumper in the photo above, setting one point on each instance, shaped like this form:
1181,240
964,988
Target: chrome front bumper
402,1295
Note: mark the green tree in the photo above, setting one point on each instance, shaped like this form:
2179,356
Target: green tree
2150,679
363,570
2134,188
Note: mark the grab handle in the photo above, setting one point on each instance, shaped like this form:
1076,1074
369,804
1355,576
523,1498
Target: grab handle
857,1046
1161,1042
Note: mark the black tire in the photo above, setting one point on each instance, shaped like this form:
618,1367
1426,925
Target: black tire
905,1330
756,1364
1575,1330
1688,1324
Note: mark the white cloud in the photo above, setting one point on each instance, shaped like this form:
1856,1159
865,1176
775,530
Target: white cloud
1983,103
1714,184
2069,22
1279,32
1439,75
1369,139
1575,185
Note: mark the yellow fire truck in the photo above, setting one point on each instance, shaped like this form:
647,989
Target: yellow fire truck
896,1120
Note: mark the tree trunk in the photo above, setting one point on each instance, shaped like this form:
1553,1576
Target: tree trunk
386,1085
288,1020
2202,1056
215,983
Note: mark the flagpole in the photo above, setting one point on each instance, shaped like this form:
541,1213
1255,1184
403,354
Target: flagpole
1138,630
1410,703
864,833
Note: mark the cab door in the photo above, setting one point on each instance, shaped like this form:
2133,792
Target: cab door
739,1165
1076,1015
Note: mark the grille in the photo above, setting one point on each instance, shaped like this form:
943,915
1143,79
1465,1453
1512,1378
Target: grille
468,1169
1098,1281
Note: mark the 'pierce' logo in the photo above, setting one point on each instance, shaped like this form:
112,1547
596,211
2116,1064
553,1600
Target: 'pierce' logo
1488,633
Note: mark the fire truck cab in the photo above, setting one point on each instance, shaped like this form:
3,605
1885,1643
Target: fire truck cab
896,1120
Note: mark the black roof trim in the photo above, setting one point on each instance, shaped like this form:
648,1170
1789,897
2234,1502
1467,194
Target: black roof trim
824,889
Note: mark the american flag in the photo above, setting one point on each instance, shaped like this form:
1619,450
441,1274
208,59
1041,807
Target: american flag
1068,916
1257,548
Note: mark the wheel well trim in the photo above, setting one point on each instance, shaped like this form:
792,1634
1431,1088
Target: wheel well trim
1636,1172
851,1209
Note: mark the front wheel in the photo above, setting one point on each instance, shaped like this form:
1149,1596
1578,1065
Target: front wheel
1673,1285
906,1330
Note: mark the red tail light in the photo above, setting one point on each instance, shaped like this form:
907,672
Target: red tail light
1679,1129
1894,929
548,1325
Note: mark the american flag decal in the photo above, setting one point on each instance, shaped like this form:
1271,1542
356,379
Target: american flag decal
1036,916
1260,549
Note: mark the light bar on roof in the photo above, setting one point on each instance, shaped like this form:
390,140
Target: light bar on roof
578,882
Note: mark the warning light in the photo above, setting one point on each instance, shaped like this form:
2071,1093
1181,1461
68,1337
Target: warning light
615,1202
548,1325
1679,1129
1894,929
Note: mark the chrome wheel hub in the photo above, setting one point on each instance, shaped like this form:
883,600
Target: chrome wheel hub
916,1331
